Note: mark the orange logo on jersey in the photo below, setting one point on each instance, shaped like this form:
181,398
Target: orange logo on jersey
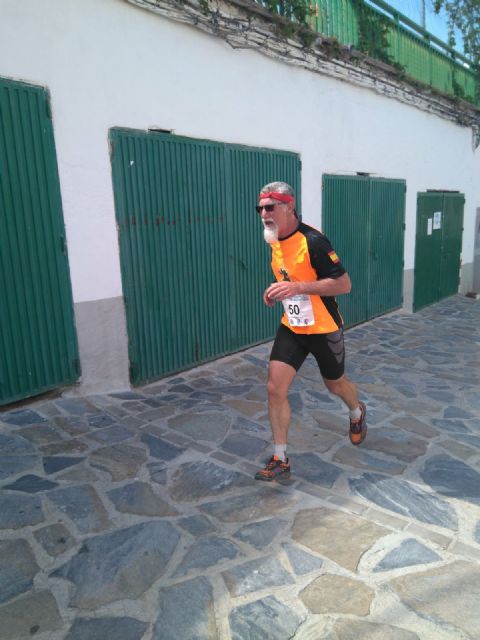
333,257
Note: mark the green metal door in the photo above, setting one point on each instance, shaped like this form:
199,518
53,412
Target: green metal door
387,219
250,272
438,247
170,203
364,219
452,227
346,222
194,262
37,335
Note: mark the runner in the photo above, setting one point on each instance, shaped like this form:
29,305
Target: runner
309,275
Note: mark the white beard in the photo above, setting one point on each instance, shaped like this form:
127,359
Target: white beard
270,234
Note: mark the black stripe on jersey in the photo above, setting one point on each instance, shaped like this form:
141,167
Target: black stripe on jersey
332,308
318,248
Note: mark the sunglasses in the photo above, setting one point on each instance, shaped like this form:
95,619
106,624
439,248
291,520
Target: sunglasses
268,207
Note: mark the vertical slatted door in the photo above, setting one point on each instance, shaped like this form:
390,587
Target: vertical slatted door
387,224
452,231
346,222
250,272
428,251
205,167
37,334
194,262
155,256
169,201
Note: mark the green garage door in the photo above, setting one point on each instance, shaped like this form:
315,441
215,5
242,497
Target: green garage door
37,336
438,246
364,218
194,262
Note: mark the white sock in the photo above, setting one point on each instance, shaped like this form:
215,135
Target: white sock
280,450
355,414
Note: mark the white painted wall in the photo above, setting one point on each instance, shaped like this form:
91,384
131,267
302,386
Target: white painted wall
108,63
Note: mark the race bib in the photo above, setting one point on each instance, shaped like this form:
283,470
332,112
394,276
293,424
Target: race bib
299,311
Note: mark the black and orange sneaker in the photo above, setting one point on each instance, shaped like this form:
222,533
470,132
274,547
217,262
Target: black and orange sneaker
274,469
358,428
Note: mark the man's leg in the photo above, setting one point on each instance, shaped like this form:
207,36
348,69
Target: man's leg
286,358
344,389
347,391
280,377
329,351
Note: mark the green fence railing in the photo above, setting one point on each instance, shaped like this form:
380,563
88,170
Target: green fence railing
392,36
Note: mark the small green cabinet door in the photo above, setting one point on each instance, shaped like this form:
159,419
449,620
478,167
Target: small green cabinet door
438,247
452,244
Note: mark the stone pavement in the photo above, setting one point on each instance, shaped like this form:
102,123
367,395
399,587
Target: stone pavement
135,516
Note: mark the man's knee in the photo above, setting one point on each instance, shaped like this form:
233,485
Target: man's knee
277,391
280,377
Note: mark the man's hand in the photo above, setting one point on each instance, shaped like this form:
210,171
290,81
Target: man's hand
278,291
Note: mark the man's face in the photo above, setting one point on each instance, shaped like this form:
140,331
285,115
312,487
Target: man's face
274,215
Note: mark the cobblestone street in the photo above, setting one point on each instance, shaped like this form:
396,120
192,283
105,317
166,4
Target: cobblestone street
135,515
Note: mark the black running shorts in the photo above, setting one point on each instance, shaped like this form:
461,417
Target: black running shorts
327,348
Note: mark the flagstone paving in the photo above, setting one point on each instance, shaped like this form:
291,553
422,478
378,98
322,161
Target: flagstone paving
135,515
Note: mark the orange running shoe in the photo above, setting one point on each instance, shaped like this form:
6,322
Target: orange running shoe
358,428
273,469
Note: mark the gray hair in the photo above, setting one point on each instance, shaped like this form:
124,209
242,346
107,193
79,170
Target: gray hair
279,187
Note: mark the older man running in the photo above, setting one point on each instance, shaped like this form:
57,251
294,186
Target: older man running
308,276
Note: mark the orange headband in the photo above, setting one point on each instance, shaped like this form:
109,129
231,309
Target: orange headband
283,197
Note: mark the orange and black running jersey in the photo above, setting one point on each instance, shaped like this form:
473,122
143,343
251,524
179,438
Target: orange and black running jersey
306,255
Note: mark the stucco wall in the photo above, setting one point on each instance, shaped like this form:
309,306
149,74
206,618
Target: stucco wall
108,63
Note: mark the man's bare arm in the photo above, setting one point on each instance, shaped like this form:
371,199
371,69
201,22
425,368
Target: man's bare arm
326,287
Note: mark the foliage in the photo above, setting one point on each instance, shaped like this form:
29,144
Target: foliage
295,13
463,15
289,9
372,26
372,32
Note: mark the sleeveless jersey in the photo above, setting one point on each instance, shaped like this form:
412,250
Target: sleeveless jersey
306,256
